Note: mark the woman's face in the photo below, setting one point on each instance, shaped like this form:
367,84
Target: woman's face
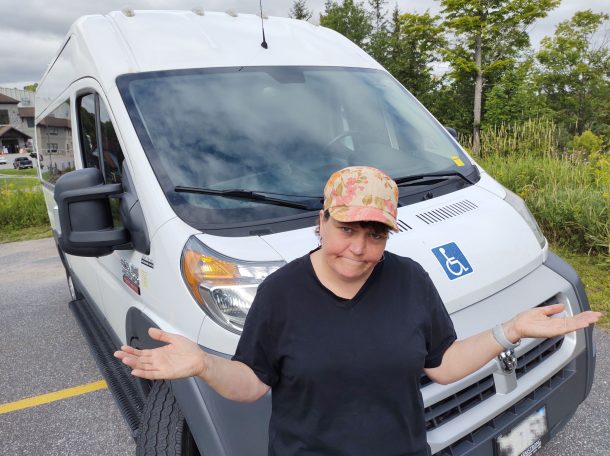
350,250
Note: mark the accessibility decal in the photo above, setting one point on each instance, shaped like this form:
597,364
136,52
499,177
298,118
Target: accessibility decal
452,260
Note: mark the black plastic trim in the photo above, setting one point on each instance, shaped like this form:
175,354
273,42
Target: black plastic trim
561,395
102,344
565,270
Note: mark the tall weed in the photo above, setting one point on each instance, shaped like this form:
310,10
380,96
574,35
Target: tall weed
22,208
571,201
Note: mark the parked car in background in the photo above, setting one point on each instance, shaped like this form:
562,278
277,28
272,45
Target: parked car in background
2,160
22,163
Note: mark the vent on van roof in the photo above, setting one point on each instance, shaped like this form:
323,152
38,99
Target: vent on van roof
446,212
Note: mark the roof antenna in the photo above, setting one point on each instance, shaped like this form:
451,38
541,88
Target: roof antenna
264,43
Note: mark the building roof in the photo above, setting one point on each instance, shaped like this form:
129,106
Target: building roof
6,128
4,99
26,112
55,122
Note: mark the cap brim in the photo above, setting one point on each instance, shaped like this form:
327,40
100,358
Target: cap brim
362,214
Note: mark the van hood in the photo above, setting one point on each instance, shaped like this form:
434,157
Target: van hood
472,243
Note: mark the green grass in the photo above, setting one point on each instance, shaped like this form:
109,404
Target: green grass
22,208
570,200
19,172
18,183
25,234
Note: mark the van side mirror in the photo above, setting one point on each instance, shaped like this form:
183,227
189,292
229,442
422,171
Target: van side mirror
452,132
84,214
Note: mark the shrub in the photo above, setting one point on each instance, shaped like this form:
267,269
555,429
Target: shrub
22,208
570,201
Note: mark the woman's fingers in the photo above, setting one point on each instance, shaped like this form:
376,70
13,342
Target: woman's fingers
161,336
552,309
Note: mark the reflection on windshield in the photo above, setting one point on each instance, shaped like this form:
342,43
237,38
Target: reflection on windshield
282,130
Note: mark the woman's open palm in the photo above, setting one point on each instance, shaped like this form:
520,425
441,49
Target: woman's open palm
180,358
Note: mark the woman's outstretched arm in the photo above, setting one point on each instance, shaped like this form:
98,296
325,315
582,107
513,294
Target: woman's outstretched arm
466,356
182,358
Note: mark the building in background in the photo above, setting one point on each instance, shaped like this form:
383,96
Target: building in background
16,120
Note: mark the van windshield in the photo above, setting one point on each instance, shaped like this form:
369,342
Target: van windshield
277,131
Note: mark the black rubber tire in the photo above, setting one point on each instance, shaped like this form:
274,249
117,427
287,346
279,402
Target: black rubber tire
163,429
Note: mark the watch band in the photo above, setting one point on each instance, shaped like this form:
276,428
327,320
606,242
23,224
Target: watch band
498,332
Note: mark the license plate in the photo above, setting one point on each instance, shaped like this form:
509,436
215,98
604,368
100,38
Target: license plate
526,438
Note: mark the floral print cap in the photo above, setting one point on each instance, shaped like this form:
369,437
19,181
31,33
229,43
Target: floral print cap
362,193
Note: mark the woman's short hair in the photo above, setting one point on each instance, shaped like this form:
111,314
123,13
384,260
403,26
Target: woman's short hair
377,227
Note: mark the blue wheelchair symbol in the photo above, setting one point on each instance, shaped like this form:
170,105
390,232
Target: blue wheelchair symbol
452,260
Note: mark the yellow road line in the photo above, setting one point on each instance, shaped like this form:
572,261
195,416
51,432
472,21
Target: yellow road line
52,397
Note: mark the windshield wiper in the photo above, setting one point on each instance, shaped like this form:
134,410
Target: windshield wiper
412,180
250,195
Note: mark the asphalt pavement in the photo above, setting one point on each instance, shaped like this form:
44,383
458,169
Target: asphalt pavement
42,350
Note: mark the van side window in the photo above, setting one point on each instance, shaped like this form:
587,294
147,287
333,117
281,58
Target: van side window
54,132
99,144
88,131
111,149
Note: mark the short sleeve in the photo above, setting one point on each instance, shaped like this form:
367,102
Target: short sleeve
440,331
256,346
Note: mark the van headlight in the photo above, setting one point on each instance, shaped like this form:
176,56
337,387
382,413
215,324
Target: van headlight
519,205
224,287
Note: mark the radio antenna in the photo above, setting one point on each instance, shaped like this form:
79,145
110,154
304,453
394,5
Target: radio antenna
264,43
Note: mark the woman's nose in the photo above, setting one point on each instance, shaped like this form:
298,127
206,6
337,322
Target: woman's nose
358,245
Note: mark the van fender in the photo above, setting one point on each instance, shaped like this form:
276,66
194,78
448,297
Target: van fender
219,426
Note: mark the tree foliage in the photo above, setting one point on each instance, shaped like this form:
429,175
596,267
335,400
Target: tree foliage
515,97
350,19
574,75
495,78
488,35
414,46
300,11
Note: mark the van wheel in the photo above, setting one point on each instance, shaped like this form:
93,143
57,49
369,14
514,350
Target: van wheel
163,429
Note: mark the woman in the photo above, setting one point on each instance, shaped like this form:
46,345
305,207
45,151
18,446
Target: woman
342,335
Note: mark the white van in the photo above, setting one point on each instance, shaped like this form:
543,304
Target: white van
183,161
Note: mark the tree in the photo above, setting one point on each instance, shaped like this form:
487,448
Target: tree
515,97
350,19
300,11
488,34
415,41
31,87
378,43
574,75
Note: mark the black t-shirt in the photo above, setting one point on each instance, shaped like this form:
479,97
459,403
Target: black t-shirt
345,373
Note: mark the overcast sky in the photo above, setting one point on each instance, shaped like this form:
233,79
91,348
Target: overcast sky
32,30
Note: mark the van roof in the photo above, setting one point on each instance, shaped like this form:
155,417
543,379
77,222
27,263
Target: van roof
105,46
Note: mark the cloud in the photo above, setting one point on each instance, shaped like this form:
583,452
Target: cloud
32,30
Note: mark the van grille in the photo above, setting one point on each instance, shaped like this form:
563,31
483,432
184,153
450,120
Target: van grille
451,407
489,429
446,212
